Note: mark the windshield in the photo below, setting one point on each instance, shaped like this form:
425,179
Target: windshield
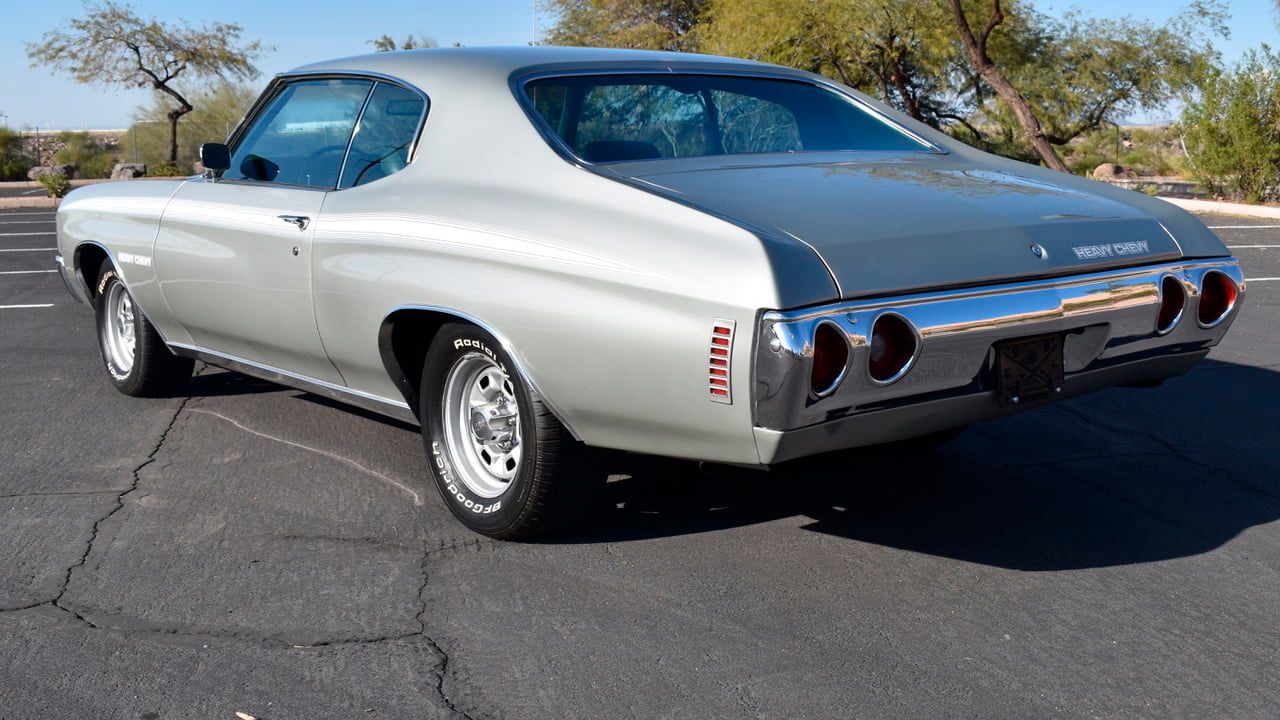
613,118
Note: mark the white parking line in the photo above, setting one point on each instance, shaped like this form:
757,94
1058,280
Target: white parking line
1253,246
26,234
24,307
1242,227
27,249
25,272
1249,280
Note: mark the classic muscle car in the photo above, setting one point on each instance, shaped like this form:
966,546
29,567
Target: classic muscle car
535,251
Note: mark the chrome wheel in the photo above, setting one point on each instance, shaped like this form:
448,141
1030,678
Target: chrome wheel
120,328
481,415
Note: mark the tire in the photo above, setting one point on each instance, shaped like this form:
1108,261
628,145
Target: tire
513,472
136,358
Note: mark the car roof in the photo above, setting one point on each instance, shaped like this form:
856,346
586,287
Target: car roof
434,65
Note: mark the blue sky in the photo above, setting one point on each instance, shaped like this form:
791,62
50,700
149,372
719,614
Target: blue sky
305,31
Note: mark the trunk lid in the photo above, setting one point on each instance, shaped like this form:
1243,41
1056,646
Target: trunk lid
916,224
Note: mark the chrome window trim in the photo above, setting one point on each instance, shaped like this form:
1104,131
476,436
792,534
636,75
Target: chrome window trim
251,115
355,129
520,78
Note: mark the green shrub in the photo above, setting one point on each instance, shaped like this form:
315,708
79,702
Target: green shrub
14,169
56,184
165,170
1233,129
92,157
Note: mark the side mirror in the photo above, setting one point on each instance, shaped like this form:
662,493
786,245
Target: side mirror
216,158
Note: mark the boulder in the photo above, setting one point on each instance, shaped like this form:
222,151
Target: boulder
128,171
1112,171
36,172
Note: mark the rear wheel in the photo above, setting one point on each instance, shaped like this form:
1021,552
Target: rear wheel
505,466
136,358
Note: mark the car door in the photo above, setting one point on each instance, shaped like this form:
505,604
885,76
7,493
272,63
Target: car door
234,255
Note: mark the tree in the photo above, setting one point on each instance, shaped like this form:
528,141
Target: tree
1081,74
642,24
899,50
1233,128
217,111
112,45
980,59
386,43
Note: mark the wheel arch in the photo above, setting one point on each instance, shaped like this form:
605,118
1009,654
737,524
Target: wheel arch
406,334
89,261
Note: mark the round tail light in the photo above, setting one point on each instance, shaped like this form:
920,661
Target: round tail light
830,358
1218,294
1173,298
893,348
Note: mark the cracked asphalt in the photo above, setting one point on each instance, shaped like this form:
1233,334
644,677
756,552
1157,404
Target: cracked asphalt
252,548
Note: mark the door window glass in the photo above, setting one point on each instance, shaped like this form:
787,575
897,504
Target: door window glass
301,136
384,136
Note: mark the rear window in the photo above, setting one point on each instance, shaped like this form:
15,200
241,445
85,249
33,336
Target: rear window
615,118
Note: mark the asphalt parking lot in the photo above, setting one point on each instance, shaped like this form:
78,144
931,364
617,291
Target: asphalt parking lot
252,548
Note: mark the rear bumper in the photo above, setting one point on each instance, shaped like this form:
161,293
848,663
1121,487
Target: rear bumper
69,279
1109,321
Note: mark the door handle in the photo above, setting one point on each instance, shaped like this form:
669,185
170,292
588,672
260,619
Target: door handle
300,221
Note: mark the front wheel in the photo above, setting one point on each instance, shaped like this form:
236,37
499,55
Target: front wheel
505,466
135,355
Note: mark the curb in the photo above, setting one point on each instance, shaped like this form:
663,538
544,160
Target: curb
1225,208
28,202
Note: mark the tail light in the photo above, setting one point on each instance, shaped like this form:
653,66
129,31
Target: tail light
830,358
1218,295
893,348
1173,298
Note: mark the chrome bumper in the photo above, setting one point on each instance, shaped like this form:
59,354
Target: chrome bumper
69,279
1109,319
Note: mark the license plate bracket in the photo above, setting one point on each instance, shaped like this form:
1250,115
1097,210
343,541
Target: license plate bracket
1030,368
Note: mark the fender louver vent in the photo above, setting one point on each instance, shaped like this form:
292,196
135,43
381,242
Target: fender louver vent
720,358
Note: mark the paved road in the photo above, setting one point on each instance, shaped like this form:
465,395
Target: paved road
14,190
257,549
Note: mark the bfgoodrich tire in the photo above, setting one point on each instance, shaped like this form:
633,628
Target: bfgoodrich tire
136,358
505,466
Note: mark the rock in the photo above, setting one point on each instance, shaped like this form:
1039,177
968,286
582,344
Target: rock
128,171
36,172
1112,171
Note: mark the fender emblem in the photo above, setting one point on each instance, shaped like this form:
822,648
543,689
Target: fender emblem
1038,250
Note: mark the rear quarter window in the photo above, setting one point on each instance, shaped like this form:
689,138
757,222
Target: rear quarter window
617,118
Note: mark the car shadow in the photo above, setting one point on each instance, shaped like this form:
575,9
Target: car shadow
1119,477
1124,476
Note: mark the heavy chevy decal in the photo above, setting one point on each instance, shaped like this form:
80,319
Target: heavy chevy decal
1110,250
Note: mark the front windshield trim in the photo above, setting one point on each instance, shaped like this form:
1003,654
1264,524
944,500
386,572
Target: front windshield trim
521,79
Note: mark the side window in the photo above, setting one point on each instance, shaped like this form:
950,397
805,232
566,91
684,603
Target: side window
300,137
384,136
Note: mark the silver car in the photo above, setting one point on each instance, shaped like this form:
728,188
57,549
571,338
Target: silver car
535,251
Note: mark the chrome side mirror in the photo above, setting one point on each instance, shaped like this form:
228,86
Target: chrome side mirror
216,159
